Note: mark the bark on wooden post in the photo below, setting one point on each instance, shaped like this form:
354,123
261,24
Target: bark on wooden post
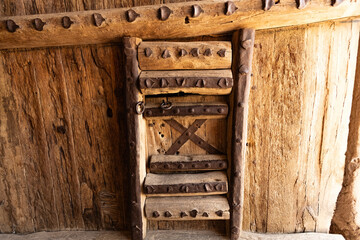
243,45
134,106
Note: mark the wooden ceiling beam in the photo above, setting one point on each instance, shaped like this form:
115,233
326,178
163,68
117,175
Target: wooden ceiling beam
176,20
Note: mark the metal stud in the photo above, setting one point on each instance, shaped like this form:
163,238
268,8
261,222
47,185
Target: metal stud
184,188
335,3
219,213
166,166
182,52
176,111
166,54
207,110
267,4
200,83
243,70
131,15
156,214
208,187
222,52
218,187
223,82
205,214
207,165
149,83
164,82
38,24
149,189
230,8
208,52
180,81
11,26
246,44
196,10
164,13
221,165
149,112
183,214
98,19
167,214
194,52
180,166
191,110
148,52
221,110
300,4
66,22
193,213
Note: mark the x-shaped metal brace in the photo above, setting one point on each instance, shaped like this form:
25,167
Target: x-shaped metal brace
189,134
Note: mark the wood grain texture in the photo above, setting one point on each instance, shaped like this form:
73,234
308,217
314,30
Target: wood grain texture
208,82
298,126
243,45
160,136
166,235
54,100
179,24
135,134
346,220
181,163
206,208
186,184
167,55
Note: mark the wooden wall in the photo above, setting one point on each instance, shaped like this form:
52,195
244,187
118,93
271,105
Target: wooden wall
300,104
63,158
346,220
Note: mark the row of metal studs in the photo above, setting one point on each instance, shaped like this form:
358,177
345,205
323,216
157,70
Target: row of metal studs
193,213
163,14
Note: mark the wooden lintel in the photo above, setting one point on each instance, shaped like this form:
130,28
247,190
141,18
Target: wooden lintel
104,26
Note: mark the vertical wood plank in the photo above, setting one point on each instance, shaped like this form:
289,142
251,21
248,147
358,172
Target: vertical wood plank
135,124
243,45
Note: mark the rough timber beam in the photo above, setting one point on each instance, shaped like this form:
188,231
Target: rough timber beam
151,22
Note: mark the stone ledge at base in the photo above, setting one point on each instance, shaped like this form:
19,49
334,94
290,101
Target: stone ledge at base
294,236
165,235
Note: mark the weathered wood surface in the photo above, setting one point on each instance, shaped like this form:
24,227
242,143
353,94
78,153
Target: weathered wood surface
180,163
207,110
165,235
214,20
346,220
299,112
187,208
161,136
185,55
135,134
52,102
209,82
185,184
243,45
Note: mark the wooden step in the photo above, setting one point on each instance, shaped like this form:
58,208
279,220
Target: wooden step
181,163
184,55
178,184
198,110
187,208
208,82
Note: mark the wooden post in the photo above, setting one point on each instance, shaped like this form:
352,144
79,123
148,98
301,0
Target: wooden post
243,45
135,106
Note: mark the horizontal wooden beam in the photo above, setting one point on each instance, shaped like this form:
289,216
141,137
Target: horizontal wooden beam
187,208
185,184
154,22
